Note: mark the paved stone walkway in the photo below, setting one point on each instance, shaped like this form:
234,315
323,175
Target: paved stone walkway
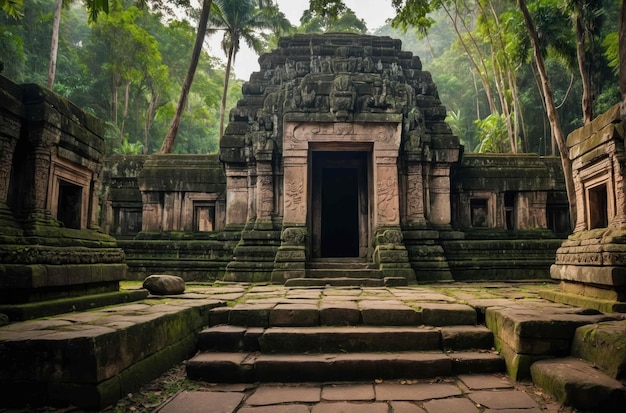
490,393
461,394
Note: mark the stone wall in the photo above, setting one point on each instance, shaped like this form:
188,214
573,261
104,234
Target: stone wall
50,243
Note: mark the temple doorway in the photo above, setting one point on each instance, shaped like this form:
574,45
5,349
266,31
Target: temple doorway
340,205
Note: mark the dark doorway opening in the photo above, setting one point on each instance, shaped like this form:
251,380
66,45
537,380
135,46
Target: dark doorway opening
69,206
340,205
340,223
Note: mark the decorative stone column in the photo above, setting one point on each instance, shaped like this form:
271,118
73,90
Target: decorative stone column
236,196
440,210
415,195
264,191
291,257
40,159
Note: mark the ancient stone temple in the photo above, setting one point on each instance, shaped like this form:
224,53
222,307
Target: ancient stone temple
590,265
351,129
52,154
337,167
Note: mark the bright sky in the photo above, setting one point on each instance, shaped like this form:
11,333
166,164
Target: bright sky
374,12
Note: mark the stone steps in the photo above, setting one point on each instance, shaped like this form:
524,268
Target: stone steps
344,339
338,272
322,367
371,339
307,313
335,281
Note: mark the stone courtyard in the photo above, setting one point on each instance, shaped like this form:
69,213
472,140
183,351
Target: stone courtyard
427,348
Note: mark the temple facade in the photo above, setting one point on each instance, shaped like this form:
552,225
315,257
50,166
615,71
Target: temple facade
338,157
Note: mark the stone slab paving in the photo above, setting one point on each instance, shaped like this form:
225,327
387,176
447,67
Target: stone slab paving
450,395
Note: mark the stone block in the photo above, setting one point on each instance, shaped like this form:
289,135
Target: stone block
221,338
435,314
294,315
466,337
578,384
339,313
197,402
604,345
220,367
473,362
250,315
382,313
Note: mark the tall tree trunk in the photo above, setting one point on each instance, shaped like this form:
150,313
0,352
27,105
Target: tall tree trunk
482,74
229,65
622,58
553,116
170,138
587,100
54,44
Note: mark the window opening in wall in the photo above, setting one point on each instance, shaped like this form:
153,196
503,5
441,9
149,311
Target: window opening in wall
598,207
557,211
509,209
204,216
127,221
479,213
69,204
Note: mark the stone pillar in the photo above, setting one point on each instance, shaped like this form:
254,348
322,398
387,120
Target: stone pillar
581,213
264,195
94,190
390,252
415,194
236,196
618,160
295,191
290,259
7,148
386,194
41,164
440,210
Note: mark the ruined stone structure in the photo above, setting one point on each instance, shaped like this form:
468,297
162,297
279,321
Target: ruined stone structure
337,157
52,156
591,263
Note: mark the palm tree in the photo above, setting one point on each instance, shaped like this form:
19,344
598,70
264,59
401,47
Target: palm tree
242,20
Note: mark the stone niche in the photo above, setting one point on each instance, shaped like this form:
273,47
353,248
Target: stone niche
591,263
52,156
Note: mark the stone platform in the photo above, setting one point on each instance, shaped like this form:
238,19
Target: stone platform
92,359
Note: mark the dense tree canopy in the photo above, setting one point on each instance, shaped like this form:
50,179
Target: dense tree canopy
129,65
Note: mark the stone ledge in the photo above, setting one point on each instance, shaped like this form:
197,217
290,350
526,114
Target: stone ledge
90,358
606,306
608,275
29,311
527,334
579,384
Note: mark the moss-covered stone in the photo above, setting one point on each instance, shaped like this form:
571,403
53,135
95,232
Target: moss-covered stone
604,345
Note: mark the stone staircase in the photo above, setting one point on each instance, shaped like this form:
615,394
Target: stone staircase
344,272
342,341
